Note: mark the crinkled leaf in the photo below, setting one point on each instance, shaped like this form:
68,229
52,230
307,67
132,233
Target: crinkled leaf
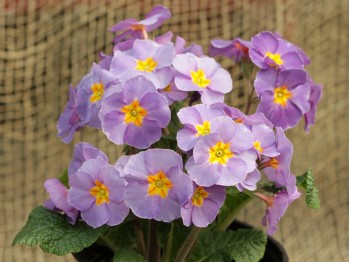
270,187
53,234
307,182
64,178
175,123
243,245
166,141
128,255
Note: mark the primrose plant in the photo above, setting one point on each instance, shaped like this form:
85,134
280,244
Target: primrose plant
190,162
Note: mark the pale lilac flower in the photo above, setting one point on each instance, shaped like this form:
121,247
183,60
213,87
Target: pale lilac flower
135,115
315,97
236,49
197,123
224,157
264,140
267,50
69,122
58,199
145,58
276,207
120,164
91,90
98,191
204,75
284,96
138,29
82,152
250,182
203,206
157,186
172,93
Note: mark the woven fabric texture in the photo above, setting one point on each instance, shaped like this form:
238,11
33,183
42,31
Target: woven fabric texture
46,45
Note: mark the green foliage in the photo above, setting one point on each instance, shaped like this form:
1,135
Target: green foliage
167,142
243,245
175,123
307,182
53,234
128,255
64,178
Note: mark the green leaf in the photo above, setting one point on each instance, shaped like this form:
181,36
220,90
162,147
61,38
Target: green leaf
166,141
243,245
175,123
64,178
307,182
128,255
270,187
53,234
234,201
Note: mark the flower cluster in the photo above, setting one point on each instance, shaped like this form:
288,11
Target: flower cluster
134,94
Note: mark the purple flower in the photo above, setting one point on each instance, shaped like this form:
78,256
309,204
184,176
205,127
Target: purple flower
139,29
69,121
98,192
277,168
203,206
276,207
196,121
135,115
91,90
157,186
284,96
204,75
315,97
146,58
120,164
237,49
267,50
82,152
250,182
264,140
172,93
59,200
224,157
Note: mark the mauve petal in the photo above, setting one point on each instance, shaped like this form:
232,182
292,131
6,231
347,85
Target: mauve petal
123,25
185,63
96,216
114,127
118,212
164,55
182,185
202,174
136,168
156,17
164,38
211,97
186,214
143,136
242,139
250,182
136,88
208,65
157,108
265,42
292,78
264,134
265,80
201,149
109,176
205,215
257,58
120,164
58,194
121,64
270,151
168,210
301,98
186,84
191,115
235,172
179,44
161,78
249,157
292,60
162,160
221,81
186,138
86,175
81,199
286,117
142,49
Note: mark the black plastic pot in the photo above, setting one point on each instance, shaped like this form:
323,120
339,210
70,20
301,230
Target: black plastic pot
274,250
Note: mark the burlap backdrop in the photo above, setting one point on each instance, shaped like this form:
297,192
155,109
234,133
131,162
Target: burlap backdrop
45,45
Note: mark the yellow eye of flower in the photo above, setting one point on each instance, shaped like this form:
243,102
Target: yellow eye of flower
100,192
281,95
134,113
97,92
257,146
199,195
275,57
148,65
220,153
159,184
199,78
204,129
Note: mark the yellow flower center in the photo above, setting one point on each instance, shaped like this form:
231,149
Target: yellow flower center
100,192
199,195
204,129
147,65
275,57
134,113
97,92
159,184
220,153
273,162
167,88
199,78
281,95
257,146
